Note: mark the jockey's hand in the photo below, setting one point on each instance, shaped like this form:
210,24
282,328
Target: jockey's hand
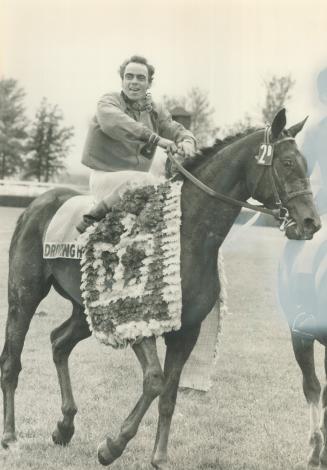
186,148
167,145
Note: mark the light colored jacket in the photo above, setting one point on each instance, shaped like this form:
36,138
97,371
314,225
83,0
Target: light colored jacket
118,133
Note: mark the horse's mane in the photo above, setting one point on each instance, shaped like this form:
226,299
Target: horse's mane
219,144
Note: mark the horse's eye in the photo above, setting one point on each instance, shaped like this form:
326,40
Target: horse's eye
288,163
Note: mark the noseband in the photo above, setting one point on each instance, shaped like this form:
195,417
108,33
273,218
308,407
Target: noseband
281,196
265,159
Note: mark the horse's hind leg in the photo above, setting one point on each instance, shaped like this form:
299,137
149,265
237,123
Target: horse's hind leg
146,352
64,339
179,347
24,295
323,454
304,354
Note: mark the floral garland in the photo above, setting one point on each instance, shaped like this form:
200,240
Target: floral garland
131,282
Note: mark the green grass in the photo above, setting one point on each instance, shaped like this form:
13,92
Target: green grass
255,416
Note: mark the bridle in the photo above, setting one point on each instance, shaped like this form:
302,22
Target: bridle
265,159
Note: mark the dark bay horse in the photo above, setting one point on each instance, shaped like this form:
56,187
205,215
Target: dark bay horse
233,170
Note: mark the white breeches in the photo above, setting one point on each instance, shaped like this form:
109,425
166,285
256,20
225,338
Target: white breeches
103,184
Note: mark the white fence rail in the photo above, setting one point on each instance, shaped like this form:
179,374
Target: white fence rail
31,188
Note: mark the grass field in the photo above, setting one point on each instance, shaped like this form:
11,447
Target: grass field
255,416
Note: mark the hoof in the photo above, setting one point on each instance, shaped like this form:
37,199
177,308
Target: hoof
313,462
160,464
311,466
306,466
108,452
8,440
62,435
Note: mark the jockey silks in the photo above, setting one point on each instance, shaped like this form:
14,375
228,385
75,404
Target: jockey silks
118,133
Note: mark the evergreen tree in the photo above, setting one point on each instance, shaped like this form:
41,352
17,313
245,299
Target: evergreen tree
48,144
13,125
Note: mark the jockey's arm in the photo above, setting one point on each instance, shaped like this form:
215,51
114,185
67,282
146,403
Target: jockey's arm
117,124
176,132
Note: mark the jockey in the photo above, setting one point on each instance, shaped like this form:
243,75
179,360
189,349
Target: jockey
123,137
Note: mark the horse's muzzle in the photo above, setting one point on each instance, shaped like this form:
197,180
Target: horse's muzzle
305,231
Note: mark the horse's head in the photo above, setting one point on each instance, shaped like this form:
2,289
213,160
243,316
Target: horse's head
280,179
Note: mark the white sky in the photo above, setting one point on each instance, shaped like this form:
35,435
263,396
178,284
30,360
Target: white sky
69,51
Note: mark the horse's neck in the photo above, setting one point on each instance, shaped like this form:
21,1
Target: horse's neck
205,216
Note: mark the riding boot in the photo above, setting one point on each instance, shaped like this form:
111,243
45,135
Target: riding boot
95,214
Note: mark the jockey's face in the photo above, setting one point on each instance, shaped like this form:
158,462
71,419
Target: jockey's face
135,82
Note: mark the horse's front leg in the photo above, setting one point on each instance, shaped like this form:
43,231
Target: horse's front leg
304,354
179,347
153,381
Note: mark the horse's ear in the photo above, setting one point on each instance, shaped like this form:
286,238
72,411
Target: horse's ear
278,123
294,130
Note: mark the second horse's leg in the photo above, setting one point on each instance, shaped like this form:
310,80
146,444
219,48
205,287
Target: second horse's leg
179,347
64,339
146,352
304,354
323,454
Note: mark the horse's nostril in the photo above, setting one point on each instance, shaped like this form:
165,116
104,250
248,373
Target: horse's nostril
309,224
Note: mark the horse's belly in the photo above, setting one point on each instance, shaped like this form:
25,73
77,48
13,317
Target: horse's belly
67,275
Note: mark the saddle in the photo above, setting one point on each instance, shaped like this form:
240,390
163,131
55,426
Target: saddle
62,240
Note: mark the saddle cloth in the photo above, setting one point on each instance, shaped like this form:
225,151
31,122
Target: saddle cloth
61,238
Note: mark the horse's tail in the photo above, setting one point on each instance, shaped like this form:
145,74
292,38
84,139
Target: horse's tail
18,228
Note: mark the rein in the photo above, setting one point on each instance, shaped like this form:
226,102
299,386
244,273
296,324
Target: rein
221,197
266,160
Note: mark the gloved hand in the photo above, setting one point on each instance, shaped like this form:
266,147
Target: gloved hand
186,148
167,145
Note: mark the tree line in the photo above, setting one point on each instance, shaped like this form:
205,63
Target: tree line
38,149
196,102
31,150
